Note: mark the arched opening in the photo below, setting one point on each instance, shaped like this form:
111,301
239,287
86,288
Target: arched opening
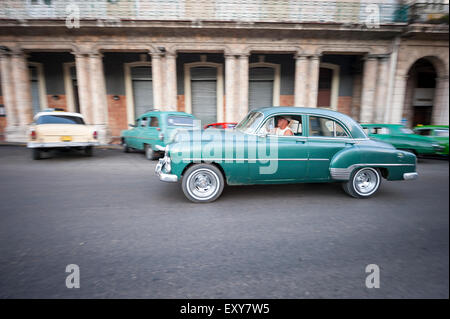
420,93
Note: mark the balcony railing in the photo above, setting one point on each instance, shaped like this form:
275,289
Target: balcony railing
297,11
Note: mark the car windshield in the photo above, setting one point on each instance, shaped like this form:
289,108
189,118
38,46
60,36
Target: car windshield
250,122
59,119
180,121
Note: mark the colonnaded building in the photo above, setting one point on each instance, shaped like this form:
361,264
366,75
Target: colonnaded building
378,61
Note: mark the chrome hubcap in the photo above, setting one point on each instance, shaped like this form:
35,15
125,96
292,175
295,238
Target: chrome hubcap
203,184
366,181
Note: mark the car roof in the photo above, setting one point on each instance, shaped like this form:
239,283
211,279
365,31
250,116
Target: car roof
384,125
39,114
154,112
431,126
352,125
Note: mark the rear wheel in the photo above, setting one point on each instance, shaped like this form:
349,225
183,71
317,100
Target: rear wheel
363,182
88,151
125,147
203,183
36,153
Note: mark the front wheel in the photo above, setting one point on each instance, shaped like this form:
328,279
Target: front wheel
203,183
363,183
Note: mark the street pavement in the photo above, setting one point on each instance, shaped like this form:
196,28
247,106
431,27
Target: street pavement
133,236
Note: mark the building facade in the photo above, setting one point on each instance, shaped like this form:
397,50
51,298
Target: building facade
377,61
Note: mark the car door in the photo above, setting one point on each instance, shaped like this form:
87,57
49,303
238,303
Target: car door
132,134
140,133
326,137
279,158
153,130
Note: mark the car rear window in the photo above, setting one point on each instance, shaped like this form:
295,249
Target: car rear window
180,121
59,119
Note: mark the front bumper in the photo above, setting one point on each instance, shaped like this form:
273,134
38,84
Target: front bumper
61,144
410,176
164,176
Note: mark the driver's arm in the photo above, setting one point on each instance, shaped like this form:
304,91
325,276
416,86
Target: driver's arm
288,132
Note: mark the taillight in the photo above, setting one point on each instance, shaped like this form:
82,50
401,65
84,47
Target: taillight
33,135
94,135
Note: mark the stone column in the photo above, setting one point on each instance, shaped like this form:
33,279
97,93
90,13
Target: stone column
301,80
98,96
157,81
396,111
381,88
313,79
243,86
368,91
440,114
230,92
84,86
171,81
22,87
8,91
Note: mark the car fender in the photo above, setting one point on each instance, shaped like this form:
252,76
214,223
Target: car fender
392,162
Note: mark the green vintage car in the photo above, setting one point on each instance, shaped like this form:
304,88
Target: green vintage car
322,146
402,138
153,130
438,133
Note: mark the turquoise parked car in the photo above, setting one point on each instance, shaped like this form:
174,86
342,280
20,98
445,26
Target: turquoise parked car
154,130
317,145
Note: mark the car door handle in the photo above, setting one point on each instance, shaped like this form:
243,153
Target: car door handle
300,141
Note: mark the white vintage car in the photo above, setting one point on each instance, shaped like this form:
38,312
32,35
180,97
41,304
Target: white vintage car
53,129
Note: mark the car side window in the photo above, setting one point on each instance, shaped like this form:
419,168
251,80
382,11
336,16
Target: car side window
294,124
424,132
380,130
143,122
441,133
324,127
154,121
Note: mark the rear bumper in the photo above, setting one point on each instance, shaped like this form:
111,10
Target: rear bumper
61,144
410,176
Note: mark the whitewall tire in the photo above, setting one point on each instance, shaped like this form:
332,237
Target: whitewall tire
363,183
203,183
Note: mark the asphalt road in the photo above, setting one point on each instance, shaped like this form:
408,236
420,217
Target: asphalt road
136,237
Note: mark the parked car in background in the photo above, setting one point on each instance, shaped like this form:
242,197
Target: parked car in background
55,129
403,138
325,146
221,125
438,133
153,130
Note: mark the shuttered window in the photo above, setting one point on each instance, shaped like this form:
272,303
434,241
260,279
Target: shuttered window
204,94
141,78
260,93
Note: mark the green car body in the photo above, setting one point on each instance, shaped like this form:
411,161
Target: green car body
240,155
402,138
438,133
154,130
